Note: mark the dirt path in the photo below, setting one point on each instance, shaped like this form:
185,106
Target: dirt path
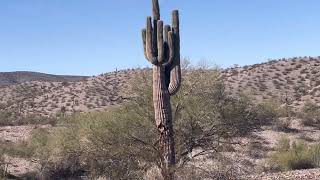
15,133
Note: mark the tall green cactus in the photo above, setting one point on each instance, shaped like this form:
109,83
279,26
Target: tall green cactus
162,49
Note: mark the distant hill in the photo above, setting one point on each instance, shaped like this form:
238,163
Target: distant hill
44,94
295,80
12,78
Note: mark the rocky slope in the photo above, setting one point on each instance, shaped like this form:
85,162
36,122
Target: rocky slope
48,98
13,78
294,80
311,174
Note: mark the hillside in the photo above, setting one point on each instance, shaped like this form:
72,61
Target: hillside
47,98
13,78
293,81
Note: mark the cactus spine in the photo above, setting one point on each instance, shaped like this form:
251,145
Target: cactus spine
162,49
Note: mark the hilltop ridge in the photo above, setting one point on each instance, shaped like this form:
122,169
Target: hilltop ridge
16,77
295,79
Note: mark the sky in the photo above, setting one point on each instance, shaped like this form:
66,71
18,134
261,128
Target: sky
89,37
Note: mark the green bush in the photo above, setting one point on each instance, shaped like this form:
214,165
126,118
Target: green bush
295,155
310,114
98,143
33,147
3,166
8,118
272,113
283,144
21,149
269,111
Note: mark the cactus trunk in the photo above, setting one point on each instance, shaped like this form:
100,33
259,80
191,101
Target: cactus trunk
163,117
162,49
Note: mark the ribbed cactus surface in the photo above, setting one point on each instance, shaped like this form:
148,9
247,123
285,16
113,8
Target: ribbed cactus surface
162,49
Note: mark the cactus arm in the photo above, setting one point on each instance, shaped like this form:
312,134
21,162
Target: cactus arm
169,45
149,43
156,10
175,74
156,18
167,29
175,21
160,42
144,33
175,80
170,49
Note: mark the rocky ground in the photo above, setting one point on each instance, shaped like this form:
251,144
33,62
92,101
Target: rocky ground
310,174
15,133
253,153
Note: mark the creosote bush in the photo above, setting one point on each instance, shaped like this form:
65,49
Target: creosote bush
310,114
268,111
272,113
3,166
292,155
21,149
11,118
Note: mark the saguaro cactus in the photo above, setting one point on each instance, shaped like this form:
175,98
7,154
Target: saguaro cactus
162,49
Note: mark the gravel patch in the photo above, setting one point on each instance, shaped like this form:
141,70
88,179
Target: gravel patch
311,174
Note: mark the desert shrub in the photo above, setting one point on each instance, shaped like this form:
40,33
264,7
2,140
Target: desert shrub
30,120
93,142
295,155
24,149
65,83
5,117
11,118
272,113
20,149
67,168
268,111
3,165
283,144
282,124
310,114
47,147
122,142
221,167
